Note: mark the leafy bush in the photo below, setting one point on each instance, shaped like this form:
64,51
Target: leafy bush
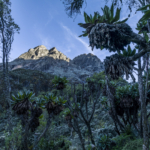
128,90
13,140
58,80
104,142
128,135
121,141
134,145
60,144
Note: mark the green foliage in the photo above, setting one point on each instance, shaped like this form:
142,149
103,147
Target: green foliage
5,13
127,136
46,144
120,81
41,94
113,83
127,90
42,121
100,79
128,52
13,140
143,21
146,16
146,37
66,111
89,19
108,17
58,80
121,141
141,25
40,102
102,82
21,96
104,142
89,147
129,131
55,92
54,99
134,145
104,102
96,78
49,97
76,106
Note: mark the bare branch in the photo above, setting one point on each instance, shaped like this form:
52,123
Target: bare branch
93,110
46,128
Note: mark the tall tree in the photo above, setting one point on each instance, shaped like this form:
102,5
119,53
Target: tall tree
97,38
7,30
75,6
143,95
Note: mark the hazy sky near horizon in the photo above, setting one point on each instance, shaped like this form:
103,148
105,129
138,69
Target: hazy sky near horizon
45,22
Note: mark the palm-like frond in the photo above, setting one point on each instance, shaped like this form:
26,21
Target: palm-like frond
146,16
106,18
90,21
128,52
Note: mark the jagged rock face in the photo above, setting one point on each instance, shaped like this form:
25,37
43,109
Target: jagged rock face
88,60
54,62
41,51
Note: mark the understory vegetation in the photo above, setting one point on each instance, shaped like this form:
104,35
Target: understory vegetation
82,118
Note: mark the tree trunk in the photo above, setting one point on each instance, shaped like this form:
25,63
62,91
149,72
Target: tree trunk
143,108
80,136
9,111
49,120
141,129
91,135
112,103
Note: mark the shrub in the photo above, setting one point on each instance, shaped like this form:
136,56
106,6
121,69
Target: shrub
59,143
121,141
13,140
134,145
104,142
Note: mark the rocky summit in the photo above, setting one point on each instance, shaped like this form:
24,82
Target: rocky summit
54,62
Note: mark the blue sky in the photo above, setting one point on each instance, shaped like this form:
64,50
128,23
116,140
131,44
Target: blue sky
45,22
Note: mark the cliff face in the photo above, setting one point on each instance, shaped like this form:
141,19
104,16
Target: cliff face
88,60
41,51
54,62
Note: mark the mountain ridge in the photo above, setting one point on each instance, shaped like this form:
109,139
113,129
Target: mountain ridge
55,62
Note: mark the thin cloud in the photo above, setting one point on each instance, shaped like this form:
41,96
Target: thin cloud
46,41
47,23
49,19
76,37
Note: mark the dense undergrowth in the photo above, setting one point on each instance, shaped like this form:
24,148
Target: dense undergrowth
55,137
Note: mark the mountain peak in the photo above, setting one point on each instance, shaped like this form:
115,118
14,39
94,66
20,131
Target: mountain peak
41,51
40,47
53,50
55,62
